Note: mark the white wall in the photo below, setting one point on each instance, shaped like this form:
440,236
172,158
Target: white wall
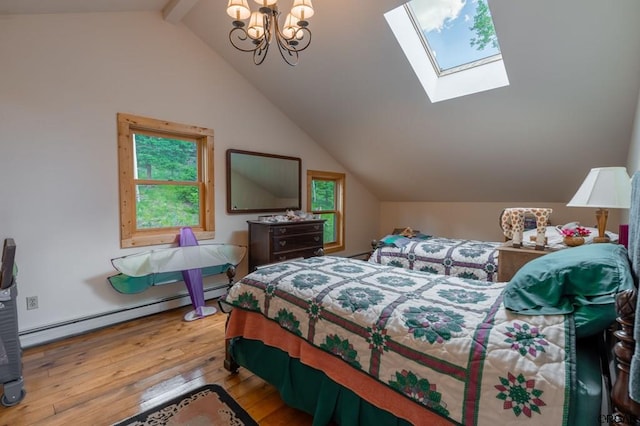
475,220
480,220
64,78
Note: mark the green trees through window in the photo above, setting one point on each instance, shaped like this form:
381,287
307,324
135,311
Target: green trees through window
169,195
450,41
166,180
484,28
325,196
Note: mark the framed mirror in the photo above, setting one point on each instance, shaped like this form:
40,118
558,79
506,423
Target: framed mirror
258,182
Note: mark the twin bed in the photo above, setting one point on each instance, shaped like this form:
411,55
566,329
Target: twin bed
462,258
356,342
477,260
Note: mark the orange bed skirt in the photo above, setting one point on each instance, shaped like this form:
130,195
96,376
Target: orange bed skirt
255,326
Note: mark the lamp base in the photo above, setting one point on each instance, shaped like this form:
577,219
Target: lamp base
601,218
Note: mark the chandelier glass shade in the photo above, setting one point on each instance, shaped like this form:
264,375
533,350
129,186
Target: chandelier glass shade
264,28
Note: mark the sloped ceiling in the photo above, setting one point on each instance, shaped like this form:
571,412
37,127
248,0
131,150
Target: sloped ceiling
574,71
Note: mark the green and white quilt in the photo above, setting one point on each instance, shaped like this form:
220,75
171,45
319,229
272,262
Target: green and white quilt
477,260
446,343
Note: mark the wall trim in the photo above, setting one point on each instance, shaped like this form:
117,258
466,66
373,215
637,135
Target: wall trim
49,333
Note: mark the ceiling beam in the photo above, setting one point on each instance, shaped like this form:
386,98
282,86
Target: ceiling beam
175,10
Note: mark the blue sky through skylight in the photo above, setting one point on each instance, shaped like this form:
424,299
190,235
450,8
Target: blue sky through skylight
446,25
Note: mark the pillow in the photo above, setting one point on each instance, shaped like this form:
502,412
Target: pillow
582,280
401,241
590,320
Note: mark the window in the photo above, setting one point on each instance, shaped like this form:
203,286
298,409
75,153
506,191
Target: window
457,35
325,197
451,45
166,180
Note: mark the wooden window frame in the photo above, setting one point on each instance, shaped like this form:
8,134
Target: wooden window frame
128,124
340,181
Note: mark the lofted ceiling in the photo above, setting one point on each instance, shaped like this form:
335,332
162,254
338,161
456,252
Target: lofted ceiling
574,71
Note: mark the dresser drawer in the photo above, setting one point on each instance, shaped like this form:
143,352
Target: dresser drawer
276,242
296,242
303,228
286,255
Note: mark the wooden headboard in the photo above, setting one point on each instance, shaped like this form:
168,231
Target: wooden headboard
625,410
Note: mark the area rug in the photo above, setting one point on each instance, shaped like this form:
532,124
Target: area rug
206,405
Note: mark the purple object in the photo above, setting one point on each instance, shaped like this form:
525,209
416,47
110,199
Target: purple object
193,277
623,235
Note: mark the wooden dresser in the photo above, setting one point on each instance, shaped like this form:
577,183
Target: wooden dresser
277,241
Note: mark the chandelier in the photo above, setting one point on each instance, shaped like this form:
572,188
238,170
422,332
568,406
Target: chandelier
263,29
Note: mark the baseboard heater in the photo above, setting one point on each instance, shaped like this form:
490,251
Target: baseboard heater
49,333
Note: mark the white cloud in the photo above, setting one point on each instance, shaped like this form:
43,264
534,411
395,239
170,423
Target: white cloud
433,14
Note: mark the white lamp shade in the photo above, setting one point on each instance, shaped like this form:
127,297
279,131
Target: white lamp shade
302,9
604,187
256,25
266,2
238,9
290,26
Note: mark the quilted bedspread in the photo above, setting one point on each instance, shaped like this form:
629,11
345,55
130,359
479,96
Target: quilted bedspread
477,260
446,343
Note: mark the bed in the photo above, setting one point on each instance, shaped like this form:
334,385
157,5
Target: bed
458,257
438,255
354,342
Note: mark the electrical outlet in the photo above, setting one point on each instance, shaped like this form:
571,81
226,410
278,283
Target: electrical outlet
32,302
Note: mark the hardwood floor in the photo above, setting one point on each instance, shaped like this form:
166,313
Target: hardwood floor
107,375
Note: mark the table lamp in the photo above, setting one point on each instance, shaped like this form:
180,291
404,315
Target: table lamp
604,188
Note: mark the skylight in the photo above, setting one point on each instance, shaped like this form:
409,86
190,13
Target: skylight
451,45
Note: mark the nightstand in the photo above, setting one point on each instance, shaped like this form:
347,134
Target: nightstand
511,259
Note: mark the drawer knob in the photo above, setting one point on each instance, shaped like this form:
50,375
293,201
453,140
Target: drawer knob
283,230
283,243
316,227
316,238
281,258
